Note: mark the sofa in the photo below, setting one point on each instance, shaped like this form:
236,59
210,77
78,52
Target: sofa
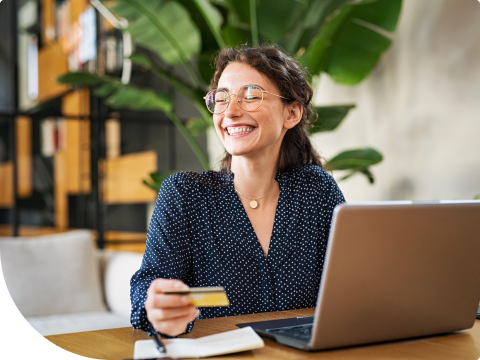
62,284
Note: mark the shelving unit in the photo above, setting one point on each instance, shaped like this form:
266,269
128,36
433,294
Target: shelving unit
96,161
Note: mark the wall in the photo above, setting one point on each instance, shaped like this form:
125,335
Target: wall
420,108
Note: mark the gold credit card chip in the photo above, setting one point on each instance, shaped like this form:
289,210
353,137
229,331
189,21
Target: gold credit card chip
207,296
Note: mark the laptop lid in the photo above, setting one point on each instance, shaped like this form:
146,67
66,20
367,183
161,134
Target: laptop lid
395,271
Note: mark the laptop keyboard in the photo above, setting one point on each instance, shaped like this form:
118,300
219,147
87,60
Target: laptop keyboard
303,332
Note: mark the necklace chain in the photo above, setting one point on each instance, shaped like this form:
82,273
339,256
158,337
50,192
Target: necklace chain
258,198
253,201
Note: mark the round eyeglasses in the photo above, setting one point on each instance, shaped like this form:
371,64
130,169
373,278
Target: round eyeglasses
249,98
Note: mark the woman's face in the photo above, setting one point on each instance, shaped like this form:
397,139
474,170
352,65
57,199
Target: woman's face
252,133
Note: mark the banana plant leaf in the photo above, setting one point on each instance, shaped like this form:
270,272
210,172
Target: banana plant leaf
329,117
343,38
365,171
270,11
164,27
355,159
174,80
238,12
351,41
119,95
213,18
83,79
198,126
130,97
140,99
156,179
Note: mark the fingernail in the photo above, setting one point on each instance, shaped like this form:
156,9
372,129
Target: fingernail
180,285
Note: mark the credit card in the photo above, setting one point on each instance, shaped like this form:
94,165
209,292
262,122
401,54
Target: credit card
207,296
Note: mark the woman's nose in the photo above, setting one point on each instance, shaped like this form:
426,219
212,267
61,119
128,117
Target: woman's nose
233,109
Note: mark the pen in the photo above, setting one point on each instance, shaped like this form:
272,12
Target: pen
158,341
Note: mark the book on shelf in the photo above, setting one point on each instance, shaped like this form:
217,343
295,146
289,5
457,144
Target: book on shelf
53,136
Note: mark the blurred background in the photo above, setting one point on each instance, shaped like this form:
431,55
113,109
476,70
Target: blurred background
99,98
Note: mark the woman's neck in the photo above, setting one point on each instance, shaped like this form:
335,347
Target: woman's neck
254,178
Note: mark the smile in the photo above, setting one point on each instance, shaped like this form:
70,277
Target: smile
239,130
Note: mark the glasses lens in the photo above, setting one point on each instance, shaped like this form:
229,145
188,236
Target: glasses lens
217,101
250,98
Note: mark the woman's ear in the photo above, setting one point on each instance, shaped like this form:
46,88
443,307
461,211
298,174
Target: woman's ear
294,114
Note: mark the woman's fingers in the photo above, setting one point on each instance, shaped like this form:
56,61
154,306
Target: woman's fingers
172,327
155,298
160,314
158,284
167,301
169,314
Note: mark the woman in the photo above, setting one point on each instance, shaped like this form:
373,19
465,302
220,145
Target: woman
260,226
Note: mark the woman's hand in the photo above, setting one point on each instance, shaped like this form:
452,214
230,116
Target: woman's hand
169,314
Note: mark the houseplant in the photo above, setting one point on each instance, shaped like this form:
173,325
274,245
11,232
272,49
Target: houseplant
342,38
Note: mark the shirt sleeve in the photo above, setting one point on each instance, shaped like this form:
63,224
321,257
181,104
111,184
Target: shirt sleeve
168,250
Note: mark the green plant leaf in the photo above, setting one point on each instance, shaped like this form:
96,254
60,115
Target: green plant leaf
140,99
315,57
365,171
312,13
105,86
235,36
174,80
213,18
254,22
355,159
239,13
198,126
80,79
106,89
190,140
194,94
157,178
329,117
141,59
269,13
123,9
164,27
477,197
381,13
205,66
356,54
351,41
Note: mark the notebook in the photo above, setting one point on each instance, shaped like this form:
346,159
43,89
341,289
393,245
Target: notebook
392,271
218,344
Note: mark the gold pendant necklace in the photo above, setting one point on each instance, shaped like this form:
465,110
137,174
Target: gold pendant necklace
253,201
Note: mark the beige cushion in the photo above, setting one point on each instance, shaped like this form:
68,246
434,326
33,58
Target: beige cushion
119,270
52,274
70,323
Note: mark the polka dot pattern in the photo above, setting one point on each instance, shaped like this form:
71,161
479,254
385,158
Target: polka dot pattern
200,233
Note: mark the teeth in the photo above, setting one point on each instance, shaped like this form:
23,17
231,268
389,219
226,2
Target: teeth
239,130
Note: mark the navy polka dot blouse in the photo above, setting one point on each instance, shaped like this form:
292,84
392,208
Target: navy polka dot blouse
200,233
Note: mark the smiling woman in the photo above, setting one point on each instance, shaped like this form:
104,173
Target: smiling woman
279,72
259,227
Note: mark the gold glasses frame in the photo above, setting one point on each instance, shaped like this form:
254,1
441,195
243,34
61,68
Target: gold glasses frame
238,102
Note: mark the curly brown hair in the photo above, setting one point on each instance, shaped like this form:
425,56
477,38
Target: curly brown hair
289,77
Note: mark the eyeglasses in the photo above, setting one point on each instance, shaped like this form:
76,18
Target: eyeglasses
249,98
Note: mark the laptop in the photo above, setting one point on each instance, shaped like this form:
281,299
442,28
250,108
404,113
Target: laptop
392,271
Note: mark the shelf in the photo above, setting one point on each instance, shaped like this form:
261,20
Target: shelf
123,178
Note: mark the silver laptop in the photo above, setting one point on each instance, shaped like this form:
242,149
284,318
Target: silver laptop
392,271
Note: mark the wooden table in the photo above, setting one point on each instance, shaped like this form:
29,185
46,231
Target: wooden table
115,344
